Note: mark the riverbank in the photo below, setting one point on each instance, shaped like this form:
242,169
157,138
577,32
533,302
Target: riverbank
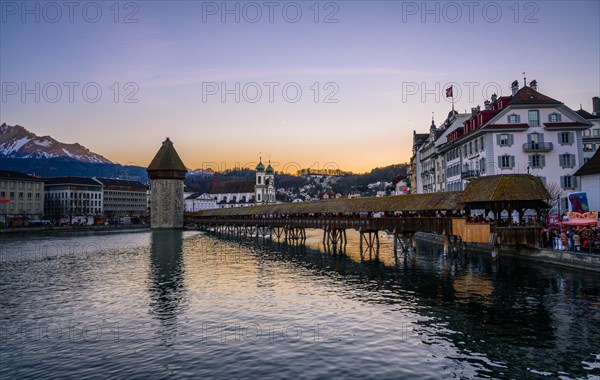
70,229
579,260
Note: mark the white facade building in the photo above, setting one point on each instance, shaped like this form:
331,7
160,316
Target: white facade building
527,132
73,196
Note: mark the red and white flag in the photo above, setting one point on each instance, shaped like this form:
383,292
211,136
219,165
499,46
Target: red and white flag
449,92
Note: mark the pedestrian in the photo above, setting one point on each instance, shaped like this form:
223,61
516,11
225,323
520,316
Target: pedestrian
577,242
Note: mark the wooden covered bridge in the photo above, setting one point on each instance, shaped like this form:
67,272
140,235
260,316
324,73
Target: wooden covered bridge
447,214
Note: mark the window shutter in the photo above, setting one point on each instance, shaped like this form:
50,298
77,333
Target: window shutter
541,137
512,161
500,161
529,139
518,118
529,161
571,137
561,160
498,139
542,161
574,181
510,139
562,181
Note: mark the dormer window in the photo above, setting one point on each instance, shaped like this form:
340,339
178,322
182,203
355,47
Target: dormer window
514,118
554,117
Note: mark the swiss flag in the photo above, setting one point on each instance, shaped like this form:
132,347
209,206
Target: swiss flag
449,92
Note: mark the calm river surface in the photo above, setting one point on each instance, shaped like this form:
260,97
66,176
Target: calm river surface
186,304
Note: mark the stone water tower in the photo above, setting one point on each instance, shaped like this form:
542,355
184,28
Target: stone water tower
167,173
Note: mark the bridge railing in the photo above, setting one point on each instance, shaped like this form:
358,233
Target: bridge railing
390,224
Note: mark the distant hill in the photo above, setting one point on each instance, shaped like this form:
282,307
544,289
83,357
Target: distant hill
58,167
18,142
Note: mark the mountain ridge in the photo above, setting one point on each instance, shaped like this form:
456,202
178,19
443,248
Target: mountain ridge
18,142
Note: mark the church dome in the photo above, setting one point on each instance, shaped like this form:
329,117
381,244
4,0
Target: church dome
269,169
260,167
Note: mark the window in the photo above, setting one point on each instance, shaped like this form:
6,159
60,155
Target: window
596,132
588,147
476,145
38,186
506,162
482,145
20,195
565,138
537,161
554,117
568,182
259,180
567,160
504,139
587,133
12,184
534,118
514,118
482,165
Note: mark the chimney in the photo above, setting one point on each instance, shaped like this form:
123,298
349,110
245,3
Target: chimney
533,85
514,87
596,105
494,98
474,111
487,105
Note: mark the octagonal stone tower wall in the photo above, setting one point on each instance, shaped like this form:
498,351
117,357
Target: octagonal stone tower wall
167,173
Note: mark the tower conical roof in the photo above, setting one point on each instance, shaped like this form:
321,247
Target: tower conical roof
270,168
260,167
166,163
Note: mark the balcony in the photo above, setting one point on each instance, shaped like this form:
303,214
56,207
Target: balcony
538,147
469,174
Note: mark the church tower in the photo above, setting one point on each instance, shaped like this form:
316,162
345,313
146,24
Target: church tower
260,187
270,184
166,172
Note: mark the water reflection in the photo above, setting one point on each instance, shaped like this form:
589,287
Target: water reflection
167,289
507,316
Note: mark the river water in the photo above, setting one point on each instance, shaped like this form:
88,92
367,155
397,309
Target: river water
194,305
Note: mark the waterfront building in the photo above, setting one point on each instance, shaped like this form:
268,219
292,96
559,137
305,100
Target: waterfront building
526,132
591,136
199,201
21,196
123,198
167,173
589,175
414,169
73,196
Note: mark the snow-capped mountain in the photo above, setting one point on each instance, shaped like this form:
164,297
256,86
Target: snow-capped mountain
18,142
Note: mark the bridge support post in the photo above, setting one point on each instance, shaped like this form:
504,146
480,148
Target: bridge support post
334,237
371,240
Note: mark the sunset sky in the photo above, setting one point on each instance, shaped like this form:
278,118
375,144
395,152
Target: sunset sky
380,68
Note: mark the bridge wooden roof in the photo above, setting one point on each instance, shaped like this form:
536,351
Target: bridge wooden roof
416,202
490,192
